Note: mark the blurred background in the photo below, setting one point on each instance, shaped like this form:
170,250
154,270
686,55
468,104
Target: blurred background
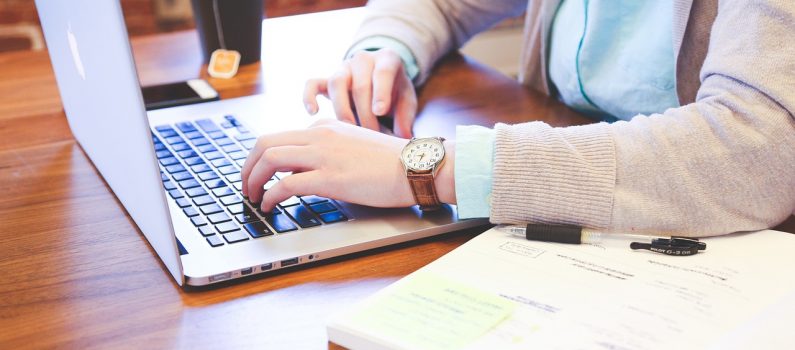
20,30
19,24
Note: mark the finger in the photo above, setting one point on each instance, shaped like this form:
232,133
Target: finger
386,70
405,109
313,88
338,92
292,137
283,158
362,91
294,185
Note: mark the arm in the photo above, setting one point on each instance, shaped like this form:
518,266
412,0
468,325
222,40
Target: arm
431,28
722,164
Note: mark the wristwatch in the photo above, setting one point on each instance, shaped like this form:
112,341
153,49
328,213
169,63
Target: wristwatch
422,158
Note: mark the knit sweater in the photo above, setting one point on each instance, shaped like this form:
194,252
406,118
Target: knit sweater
721,163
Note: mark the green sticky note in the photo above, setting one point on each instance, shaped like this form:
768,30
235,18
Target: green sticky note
426,311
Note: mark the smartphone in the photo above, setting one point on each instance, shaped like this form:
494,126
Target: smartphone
178,94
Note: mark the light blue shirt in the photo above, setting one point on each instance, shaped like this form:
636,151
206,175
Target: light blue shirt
609,59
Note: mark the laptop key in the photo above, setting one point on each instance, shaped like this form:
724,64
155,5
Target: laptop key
195,192
203,200
223,191
180,147
175,168
302,216
224,141
215,183
200,141
290,202
323,207
219,218
194,161
229,200
163,154
173,139
236,208
208,175
163,127
210,209
334,216
233,177
245,136
235,236
246,217
182,175
214,155
168,133
200,168
218,163
183,202
280,223
227,125
187,154
190,211
159,146
225,227
198,221
240,162
176,194
216,134
229,169
238,155
207,148
207,231
186,127
257,229
189,183
238,185
215,241
168,161
207,125
169,185
193,134
230,148
313,199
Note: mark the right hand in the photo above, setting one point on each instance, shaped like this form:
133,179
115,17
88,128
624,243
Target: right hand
376,84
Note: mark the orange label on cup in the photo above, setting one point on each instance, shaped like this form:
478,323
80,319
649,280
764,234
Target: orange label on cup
224,63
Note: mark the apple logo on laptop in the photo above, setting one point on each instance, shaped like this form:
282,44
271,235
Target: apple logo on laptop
75,53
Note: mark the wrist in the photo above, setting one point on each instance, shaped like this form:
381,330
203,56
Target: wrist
444,181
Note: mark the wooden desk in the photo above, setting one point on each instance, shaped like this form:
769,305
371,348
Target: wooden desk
76,272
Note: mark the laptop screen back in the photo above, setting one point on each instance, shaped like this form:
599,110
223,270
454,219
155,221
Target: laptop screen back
91,56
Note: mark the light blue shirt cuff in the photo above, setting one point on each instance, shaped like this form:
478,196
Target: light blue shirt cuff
474,163
374,43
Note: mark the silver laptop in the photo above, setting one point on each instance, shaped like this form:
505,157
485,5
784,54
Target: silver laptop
176,170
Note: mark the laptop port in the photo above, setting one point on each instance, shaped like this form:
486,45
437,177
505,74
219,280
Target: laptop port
247,271
266,267
289,262
220,277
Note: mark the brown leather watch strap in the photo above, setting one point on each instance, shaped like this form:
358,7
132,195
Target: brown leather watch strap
424,190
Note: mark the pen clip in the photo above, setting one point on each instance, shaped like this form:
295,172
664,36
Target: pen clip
674,246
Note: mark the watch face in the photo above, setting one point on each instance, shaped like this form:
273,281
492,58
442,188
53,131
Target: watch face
423,154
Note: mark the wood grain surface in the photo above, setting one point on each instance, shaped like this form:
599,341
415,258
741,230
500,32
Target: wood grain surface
76,271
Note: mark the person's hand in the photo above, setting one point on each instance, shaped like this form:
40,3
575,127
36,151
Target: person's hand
336,160
369,85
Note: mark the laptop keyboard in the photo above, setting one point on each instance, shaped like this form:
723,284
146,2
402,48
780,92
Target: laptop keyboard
200,166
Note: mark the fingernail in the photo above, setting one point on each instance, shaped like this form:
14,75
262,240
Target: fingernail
310,108
379,108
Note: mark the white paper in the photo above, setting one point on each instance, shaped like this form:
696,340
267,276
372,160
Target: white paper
608,296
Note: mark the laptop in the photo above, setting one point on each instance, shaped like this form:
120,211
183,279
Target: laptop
177,170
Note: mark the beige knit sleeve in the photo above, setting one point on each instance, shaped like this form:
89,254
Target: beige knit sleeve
723,164
432,28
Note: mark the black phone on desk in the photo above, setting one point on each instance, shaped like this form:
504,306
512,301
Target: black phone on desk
178,94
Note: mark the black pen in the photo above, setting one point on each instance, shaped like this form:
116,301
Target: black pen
675,246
